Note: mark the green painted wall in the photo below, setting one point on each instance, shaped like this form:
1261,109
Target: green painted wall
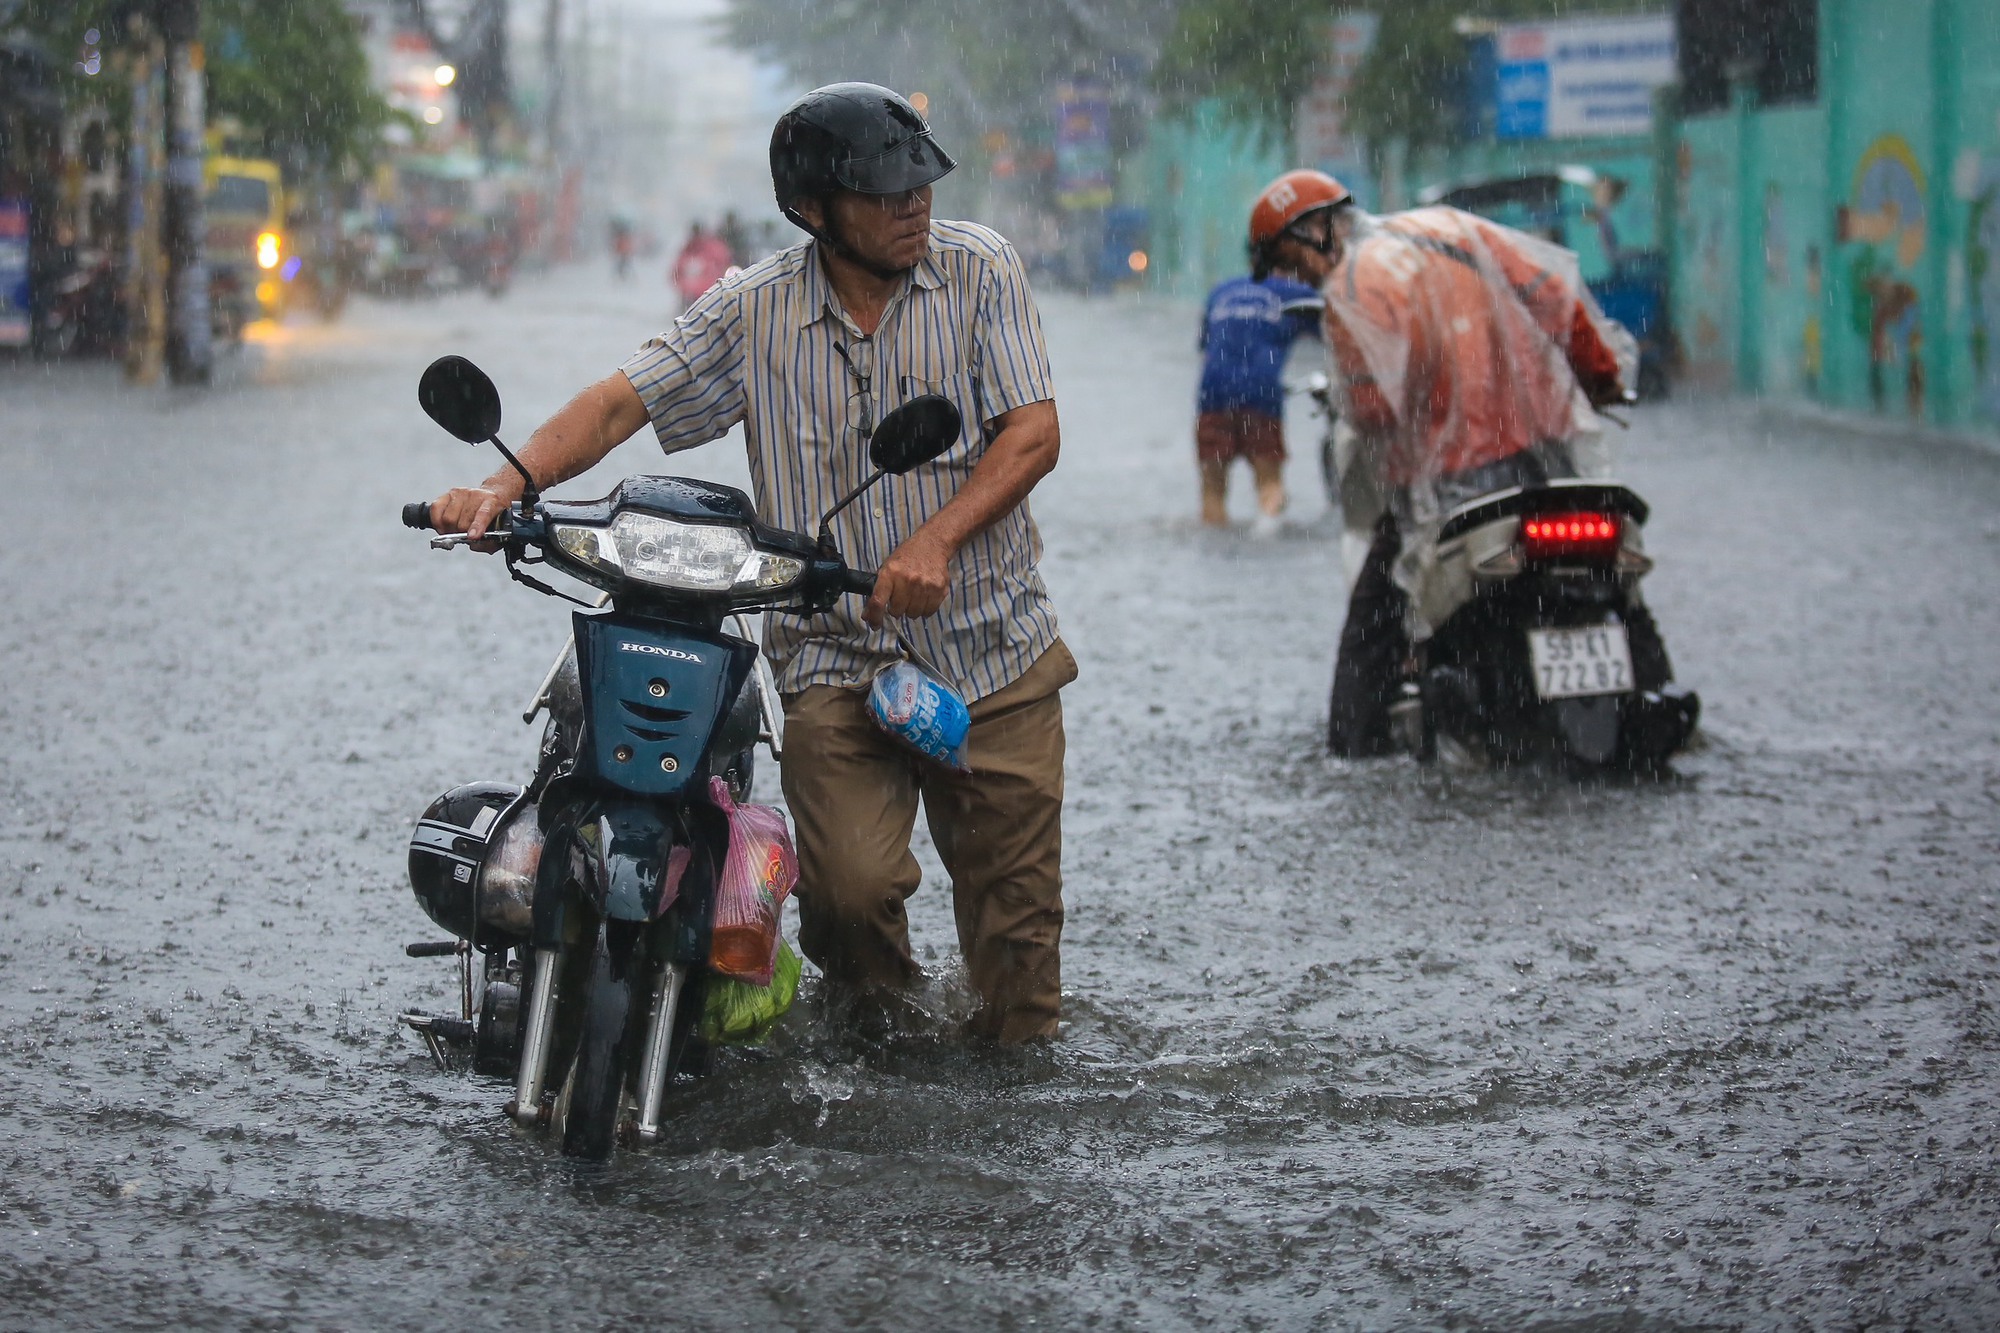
1706,249
1748,247
1199,176
1849,252
1846,252
1973,280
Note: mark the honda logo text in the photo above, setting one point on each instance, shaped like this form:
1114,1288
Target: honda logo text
658,651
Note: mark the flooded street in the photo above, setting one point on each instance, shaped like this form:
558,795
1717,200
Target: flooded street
1348,1044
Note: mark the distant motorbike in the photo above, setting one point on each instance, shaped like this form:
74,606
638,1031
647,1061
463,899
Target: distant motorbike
583,967
232,304
1542,648
326,281
82,312
1319,389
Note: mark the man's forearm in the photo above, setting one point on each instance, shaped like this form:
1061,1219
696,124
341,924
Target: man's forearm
916,577
577,437
1022,454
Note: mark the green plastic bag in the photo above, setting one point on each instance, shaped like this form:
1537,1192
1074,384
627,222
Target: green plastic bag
737,1011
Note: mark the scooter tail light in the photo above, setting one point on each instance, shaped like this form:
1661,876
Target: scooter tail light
1576,536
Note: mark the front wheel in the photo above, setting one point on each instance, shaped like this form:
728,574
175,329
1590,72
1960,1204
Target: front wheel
597,1081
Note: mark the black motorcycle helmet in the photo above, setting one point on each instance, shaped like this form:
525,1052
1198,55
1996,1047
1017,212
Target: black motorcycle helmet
850,136
449,848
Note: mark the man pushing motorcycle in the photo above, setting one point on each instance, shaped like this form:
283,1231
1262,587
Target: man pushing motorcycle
807,350
1469,357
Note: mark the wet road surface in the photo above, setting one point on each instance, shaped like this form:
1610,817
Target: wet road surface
1350,1045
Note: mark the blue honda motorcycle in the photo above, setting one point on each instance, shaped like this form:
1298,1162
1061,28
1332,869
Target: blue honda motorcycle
584,962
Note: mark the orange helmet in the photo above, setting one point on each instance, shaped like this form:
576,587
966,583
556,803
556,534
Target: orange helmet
1289,198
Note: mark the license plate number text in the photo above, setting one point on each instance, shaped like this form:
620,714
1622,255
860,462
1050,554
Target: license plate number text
1570,663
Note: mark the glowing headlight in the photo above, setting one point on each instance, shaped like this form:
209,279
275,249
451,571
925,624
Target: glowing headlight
692,557
267,250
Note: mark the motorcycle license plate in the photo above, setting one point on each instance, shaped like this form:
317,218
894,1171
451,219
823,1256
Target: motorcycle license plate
1573,662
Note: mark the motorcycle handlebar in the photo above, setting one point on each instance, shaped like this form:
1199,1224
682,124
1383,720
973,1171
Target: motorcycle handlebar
417,514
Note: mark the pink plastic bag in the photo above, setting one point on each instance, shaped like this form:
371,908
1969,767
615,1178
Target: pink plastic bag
758,874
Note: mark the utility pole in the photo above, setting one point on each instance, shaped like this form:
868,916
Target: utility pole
190,349
145,267
552,75
479,49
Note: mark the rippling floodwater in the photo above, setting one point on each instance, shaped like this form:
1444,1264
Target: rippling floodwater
1349,1045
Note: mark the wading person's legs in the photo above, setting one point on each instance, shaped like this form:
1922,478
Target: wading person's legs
999,833
1270,474
852,792
1215,492
1373,644
1215,447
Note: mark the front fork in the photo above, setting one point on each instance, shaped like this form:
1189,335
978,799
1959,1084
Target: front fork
532,1077
527,1108
653,1068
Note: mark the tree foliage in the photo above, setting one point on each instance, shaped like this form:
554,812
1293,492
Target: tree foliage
292,72
296,76
983,63
1257,56
1260,55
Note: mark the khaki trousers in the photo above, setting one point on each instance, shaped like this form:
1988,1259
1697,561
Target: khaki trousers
853,795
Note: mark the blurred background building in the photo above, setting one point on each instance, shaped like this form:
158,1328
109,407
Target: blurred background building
1798,198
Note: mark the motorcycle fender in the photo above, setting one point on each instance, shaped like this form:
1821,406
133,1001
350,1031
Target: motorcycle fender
654,697
633,840
614,852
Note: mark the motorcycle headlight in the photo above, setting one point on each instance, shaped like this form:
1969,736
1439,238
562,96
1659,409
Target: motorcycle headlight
690,557
765,572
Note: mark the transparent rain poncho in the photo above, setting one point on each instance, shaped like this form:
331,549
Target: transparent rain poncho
1465,355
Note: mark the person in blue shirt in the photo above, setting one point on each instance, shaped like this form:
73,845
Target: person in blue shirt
1247,330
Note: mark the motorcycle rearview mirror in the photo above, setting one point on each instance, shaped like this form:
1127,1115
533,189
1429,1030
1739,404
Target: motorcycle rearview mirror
907,438
914,434
458,396
461,398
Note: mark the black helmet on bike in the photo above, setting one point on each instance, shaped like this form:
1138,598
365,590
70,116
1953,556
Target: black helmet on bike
472,860
851,136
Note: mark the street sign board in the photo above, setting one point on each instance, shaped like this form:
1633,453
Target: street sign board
1319,122
1084,177
1580,78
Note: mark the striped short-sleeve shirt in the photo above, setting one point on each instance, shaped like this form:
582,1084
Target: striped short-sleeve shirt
770,347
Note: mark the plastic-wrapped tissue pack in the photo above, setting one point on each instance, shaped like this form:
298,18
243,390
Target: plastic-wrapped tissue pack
921,711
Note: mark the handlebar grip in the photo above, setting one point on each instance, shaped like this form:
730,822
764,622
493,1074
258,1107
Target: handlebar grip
858,581
417,515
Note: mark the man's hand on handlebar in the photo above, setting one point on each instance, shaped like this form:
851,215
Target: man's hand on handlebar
912,582
471,510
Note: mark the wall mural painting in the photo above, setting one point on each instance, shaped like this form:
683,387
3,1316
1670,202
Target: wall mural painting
1811,352
1709,295
1709,322
1982,274
1885,226
1777,269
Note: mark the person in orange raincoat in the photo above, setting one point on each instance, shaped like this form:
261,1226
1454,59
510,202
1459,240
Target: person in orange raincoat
1470,357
